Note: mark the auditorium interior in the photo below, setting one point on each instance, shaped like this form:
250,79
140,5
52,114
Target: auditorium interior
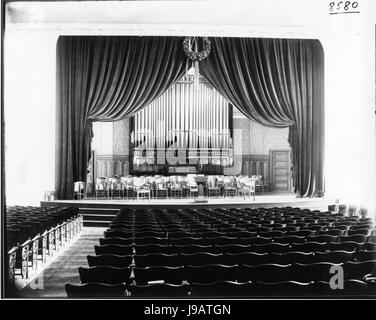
155,150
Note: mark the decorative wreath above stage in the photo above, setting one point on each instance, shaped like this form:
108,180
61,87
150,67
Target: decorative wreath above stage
190,46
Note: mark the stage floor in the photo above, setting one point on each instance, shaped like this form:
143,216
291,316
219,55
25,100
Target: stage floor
266,200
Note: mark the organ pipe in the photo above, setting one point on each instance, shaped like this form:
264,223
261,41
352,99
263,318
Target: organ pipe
191,118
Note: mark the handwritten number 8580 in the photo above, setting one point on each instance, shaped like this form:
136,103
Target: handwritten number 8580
343,5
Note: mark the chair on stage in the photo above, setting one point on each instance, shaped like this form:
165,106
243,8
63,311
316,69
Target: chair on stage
247,186
102,188
212,186
142,188
115,187
259,181
192,185
176,187
128,187
230,188
184,186
160,188
79,190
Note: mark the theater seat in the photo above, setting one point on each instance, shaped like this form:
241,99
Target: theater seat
265,272
96,290
359,270
201,258
211,273
221,289
292,257
334,256
109,260
364,255
107,275
248,258
117,233
309,247
113,249
172,275
351,288
116,240
344,246
157,259
150,240
159,290
319,271
286,289
152,248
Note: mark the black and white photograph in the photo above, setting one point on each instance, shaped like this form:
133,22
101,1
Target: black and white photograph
188,150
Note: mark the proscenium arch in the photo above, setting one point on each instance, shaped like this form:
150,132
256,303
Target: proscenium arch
111,78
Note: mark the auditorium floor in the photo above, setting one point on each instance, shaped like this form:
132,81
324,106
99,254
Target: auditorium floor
65,268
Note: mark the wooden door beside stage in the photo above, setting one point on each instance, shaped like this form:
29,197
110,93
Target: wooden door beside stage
280,170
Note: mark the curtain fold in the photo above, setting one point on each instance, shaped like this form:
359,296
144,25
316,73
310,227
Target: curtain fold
106,79
277,83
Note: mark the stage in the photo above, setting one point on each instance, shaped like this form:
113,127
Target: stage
266,200
99,213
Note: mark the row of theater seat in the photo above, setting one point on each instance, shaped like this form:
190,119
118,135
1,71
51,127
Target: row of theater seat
142,249
35,233
228,289
191,249
248,258
270,272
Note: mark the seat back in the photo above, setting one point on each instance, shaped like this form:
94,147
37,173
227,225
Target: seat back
150,240
266,272
172,275
319,271
359,270
334,256
271,247
221,289
94,289
286,289
292,257
211,273
309,247
153,248
116,240
364,255
358,238
109,260
119,233
105,274
157,259
201,258
161,290
113,249
248,258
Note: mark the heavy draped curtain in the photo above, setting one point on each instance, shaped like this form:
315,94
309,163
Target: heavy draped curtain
105,79
277,83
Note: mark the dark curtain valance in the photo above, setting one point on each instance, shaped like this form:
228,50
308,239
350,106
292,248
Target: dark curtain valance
106,79
278,83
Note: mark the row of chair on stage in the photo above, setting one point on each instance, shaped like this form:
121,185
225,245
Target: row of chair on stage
163,187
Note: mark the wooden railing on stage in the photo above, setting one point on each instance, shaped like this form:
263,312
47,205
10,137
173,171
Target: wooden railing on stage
111,165
257,165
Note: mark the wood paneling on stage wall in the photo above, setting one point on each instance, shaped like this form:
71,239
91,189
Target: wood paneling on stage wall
110,165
